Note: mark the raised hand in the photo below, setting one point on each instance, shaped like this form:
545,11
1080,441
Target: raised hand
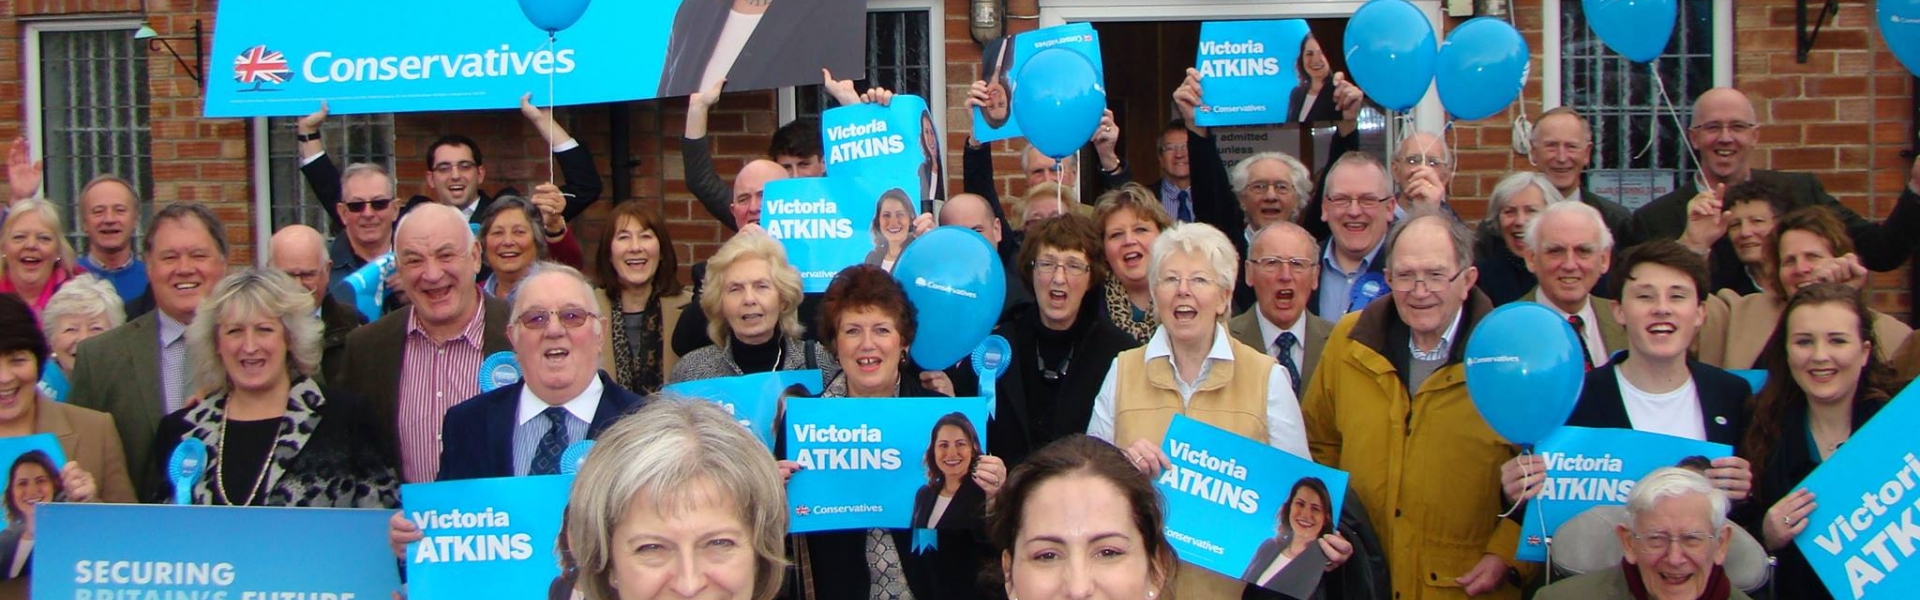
840,89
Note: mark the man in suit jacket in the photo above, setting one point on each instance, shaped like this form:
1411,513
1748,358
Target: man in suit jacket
1561,148
414,364
301,253
1569,249
1724,132
1283,273
139,372
456,168
791,40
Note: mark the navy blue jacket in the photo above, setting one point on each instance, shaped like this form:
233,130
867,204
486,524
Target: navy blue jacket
477,434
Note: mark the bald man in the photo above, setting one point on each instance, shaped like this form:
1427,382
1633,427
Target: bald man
972,212
301,252
1724,132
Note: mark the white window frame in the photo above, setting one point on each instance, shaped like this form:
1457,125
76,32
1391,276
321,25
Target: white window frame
30,64
936,55
1550,56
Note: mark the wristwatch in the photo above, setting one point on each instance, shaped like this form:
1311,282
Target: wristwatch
307,137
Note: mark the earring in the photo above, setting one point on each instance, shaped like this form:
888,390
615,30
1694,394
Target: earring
1151,594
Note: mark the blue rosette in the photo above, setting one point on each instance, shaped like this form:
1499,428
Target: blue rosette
574,456
499,370
184,468
991,359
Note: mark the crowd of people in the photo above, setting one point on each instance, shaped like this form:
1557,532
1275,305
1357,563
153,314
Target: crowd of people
1325,314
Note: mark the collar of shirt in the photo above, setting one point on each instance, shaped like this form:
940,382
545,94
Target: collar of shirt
582,407
170,329
1446,341
87,262
1162,345
1168,190
1586,308
1270,332
341,252
1327,261
470,335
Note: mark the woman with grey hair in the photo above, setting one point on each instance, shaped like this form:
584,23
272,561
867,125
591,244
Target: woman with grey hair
514,235
1192,366
685,476
85,307
1504,276
273,436
752,303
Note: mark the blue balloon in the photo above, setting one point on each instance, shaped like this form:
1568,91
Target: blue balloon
552,16
1900,26
1637,29
1524,371
1482,67
1058,100
1390,51
956,282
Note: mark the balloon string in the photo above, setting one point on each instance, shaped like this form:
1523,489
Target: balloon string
551,43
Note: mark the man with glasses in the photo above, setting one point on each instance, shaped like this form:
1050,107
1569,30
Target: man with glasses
1176,184
1359,207
1282,269
456,168
1423,170
1389,406
1723,134
413,364
366,212
1675,539
301,252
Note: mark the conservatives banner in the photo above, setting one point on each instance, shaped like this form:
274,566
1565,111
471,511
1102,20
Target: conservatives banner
1248,67
897,145
365,56
1000,68
753,399
487,538
1589,467
830,223
1861,534
874,462
1248,510
217,552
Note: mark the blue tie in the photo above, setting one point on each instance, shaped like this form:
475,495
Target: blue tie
1186,208
1286,343
546,457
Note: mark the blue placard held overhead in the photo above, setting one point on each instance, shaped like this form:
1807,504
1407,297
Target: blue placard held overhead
1588,467
486,538
86,550
752,399
830,223
1237,506
865,461
1248,71
896,145
1001,70
1861,537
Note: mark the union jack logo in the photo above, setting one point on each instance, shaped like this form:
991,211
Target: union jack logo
802,510
259,65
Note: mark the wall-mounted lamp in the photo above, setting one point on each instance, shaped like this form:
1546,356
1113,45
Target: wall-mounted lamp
155,42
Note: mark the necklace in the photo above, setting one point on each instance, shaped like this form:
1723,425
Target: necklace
220,468
1053,375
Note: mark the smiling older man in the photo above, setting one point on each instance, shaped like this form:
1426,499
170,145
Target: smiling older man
1569,251
1676,538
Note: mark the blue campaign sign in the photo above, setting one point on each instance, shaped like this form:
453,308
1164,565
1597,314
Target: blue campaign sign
53,382
830,223
753,399
1862,528
1001,70
865,462
1249,68
1588,467
365,56
41,448
162,551
895,145
1236,506
486,538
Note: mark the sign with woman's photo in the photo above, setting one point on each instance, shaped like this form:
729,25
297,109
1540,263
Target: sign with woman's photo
830,223
1589,467
1248,510
1248,66
896,145
752,399
490,538
33,478
893,463
1861,532
1000,67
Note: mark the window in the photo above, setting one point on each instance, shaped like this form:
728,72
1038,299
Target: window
349,139
87,99
899,58
1640,151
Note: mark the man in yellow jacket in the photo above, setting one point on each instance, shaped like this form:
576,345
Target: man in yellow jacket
1424,464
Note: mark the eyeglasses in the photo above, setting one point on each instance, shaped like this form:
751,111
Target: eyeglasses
1658,543
1076,269
1261,187
378,205
1415,160
1175,148
1273,264
1366,202
447,168
1407,281
572,318
1194,282
1718,127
